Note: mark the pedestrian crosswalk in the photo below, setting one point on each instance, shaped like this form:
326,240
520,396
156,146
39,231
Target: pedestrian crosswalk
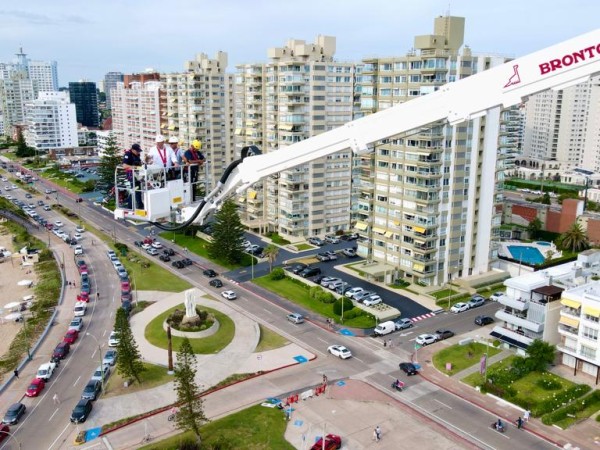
422,317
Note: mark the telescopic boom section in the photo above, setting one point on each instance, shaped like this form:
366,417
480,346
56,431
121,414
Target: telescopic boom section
557,67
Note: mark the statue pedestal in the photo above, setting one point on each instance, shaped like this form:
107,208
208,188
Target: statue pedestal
193,321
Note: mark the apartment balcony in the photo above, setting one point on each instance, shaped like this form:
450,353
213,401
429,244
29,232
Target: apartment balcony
570,330
514,303
517,321
512,337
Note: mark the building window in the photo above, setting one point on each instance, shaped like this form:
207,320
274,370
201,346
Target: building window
587,352
592,318
590,333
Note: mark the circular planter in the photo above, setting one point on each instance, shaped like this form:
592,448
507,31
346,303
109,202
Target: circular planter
194,334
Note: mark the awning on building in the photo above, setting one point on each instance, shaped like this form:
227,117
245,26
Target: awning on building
573,323
509,340
591,311
361,226
418,267
379,230
570,303
239,131
241,199
286,127
171,127
419,229
252,195
388,234
164,125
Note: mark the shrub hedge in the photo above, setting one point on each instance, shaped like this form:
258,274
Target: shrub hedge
572,409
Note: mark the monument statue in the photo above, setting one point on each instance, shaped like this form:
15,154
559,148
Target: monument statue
190,305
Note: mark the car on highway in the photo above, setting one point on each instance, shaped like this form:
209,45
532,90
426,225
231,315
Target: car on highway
113,339
459,307
14,414
209,273
332,442
425,339
61,351
295,318
168,251
483,320
476,301
36,386
372,300
408,368
215,283
110,357
164,258
402,324
76,324
102,371
178,264
340,351
443,334
81,411
92,390
46,370
496,296
71,336
229,295
187,261
80,309
349,252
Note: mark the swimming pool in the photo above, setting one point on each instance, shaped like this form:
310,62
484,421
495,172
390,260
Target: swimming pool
526,254
544,243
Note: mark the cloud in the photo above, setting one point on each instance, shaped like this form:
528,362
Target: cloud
19,17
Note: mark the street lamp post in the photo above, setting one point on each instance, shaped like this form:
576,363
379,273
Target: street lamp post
99,357
449,288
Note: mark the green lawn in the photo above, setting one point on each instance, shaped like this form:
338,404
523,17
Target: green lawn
302,247
461,356
255,428
530,392
199,247
298,294
151,377
444,294
156,335
152,278
269,340
475,379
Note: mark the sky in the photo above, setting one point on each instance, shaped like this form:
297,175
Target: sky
92,37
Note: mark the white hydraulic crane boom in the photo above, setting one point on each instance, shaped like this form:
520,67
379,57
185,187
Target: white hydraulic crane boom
557,67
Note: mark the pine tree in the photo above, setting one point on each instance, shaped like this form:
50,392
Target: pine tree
190,416
110,159
129,363
23,151
227,235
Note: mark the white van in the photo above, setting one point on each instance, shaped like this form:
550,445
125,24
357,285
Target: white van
385,328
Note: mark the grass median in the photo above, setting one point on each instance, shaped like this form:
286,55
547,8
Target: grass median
156,335
152,376
461,357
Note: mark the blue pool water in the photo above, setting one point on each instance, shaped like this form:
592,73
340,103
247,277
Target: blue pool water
526,254
544,243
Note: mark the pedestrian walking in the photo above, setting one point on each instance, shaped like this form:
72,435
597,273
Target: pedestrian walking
375,436
519,423
97,296
390,343
385,342
526,415
16,372
324,379
55,399
378,432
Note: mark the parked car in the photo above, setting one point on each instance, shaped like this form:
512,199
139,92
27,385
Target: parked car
78,250
178,264
216,283
476,301
14,413
332,255
483,320
92,390
332,442
36,386
146,246
152,251
110,357
187,261
459,307
76,324
359,297
80,309
209,273
402,324
443,334
4,432
71,336
229,295
101,372
61,351
340,351
349,252
332,239
323,257
113,339
408,368
315,241
81,411
372,300
168,251
165,258
425,339
343,289
354,291
310,272
295,318
157,245
496,296
299,267
328,282
46,370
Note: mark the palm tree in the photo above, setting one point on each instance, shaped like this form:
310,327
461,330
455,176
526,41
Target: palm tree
574,239
534,227
271,252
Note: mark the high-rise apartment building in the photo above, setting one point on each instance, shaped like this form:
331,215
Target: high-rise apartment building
110,82
430,198
199,105
15,91
51,122
300,92
562,126
85,97
136,110
45,73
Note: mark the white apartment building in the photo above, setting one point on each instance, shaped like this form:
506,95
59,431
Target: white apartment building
51,122
136,112
108,84
301,92
15,92
579,328
45,73
563,126
429,199
198,104
102,138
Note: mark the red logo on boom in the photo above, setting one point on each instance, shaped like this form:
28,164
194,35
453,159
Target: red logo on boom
515,78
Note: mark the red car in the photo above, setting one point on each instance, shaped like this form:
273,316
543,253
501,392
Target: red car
125,286
71,336
35,387
4,432
83,297
332,442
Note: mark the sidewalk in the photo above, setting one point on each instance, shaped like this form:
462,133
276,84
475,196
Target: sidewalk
584,435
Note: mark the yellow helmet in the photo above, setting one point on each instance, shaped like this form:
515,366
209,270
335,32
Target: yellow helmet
197,144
